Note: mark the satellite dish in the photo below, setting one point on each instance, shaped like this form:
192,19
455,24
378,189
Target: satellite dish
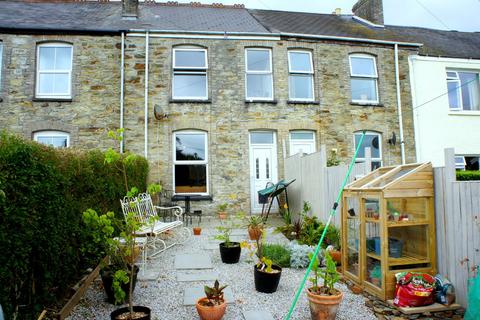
375,142
393,140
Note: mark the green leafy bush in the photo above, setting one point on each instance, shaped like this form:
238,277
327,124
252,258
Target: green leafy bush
45,245
278,254
468,175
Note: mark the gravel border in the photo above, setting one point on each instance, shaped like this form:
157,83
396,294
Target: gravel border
165,295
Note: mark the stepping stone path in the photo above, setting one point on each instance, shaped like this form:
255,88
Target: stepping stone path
192,294
193,261
195,275
257,315
211,246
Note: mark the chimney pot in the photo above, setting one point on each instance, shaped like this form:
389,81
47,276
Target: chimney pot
371,10
130,8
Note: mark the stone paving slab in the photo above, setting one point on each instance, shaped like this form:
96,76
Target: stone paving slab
257,315
192,294
187,276
238,232
211,246
148,275
193,261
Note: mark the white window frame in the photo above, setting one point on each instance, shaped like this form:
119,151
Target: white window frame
190,162
67,95
293,142
51,133
458,165
458,89
293,73
380,147
176,70
268,72
364,76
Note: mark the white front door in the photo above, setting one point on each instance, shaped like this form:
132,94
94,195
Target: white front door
263,165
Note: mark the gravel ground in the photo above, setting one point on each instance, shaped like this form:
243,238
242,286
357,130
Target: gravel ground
165,295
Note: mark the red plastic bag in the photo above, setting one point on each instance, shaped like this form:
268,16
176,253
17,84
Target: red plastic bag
414,289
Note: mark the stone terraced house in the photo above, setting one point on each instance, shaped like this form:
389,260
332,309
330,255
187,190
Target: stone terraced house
215,96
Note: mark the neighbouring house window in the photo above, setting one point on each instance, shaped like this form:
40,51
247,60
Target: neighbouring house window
373,141
363,78
463,90
56,139
259,77
190,74
300,78
302,142
467,162
190,172
54,71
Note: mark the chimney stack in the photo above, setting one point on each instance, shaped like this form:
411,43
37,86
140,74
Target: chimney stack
130,9
371,10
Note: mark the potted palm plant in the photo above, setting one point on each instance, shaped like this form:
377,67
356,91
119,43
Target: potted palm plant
213,305
255,227
229,250
266,274
324,300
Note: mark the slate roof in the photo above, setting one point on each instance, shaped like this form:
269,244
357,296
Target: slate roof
46,15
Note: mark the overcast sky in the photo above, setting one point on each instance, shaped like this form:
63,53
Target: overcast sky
461,15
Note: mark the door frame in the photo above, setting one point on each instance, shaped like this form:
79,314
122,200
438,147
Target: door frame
274,177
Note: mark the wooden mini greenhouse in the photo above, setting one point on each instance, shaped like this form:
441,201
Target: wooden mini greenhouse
388,226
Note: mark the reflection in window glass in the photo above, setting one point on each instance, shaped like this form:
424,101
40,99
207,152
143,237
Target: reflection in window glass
373,141
56,139
300,78
190,146
54,70
463,90
258,77
363,79
190,74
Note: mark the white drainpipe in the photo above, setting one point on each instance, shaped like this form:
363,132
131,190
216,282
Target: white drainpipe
399,105
122,83
146,93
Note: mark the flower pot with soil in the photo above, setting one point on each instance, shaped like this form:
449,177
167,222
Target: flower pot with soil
139,313
266,276
324,300
213,305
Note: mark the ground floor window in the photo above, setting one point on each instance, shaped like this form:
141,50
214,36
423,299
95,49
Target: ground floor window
302,142
56,139
190,162
372,140
467,162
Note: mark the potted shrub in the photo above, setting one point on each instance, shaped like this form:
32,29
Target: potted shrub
255,227
324,300
213,305
222,211
229,251
266,274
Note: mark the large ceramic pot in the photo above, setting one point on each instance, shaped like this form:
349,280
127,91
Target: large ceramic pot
107,279
210,313
254,233
267,282
121,312
230,254
324,307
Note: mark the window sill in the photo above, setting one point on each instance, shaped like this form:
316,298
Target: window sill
189,101
193,197
464,113
302,102
366,104
261,101
52,99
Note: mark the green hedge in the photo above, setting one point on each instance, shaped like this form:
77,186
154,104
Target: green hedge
43,192
468,175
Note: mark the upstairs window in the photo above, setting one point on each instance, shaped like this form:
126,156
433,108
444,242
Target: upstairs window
373,141
190,169
259,77
302,142
190,74
363,79
54,71
56,139
300,77
463,90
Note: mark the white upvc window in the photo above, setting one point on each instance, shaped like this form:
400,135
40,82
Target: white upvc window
463,90
460,163
300,77
302,142
372,140
1,64
258,74
190,79
56,139
363,78
54,71
190,162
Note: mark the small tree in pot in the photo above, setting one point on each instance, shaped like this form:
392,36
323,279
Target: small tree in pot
213,305
229,250
324,300
255,226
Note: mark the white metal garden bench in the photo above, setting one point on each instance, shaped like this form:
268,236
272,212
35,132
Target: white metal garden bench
160,235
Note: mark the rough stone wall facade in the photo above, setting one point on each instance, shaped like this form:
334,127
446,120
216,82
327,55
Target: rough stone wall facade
226,117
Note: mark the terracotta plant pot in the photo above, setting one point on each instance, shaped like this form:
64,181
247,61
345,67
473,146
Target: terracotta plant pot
120,313
254,233
222,215
197,231
210,313
336,256
323,307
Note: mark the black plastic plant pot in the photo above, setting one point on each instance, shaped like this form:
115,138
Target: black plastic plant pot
266,282
107,280
122,313
230,254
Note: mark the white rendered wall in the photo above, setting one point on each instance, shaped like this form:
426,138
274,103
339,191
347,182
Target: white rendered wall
436,127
